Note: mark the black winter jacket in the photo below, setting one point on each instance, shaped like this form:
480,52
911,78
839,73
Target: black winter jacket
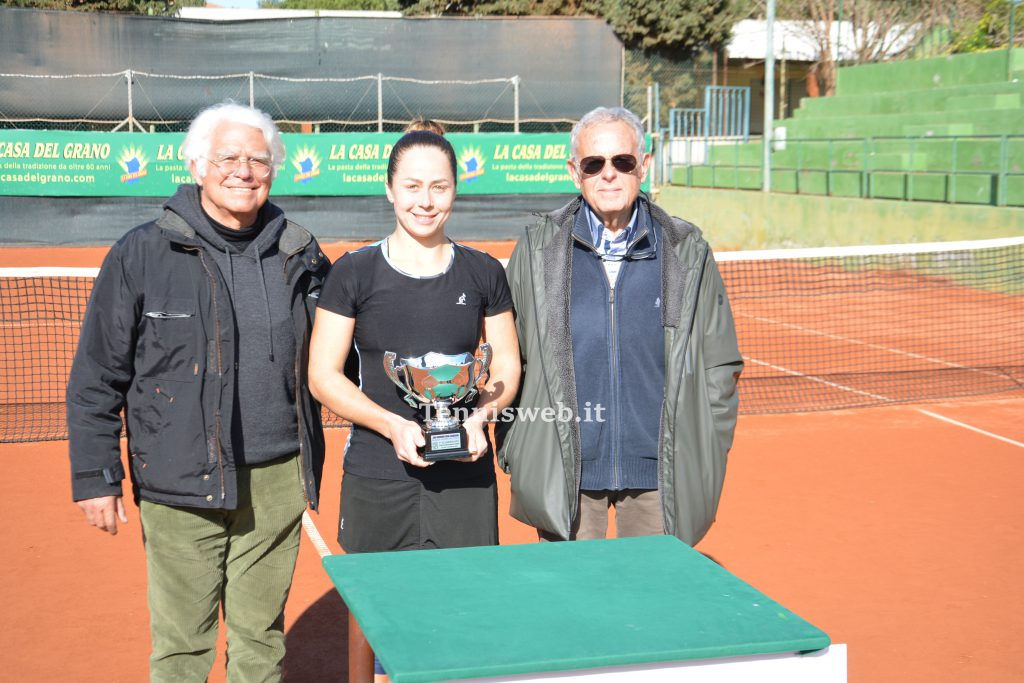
158,341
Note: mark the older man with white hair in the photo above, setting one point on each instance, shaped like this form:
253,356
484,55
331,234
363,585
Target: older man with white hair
198,329
629,347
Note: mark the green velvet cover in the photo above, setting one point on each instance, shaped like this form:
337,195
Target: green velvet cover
461,613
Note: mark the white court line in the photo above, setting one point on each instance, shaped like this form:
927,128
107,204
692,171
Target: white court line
837,337
868,250
834,385
49,272
885,399
314,535
971,427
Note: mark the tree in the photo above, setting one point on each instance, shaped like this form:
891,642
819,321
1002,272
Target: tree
125,6
676,27
885,29
982,24
877,30
665,38
356,5
510,8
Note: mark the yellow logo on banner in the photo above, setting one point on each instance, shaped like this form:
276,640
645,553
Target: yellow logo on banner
133,162
472,163
307,162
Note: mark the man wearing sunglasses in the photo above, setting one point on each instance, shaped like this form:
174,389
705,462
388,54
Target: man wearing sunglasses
198,329
629,346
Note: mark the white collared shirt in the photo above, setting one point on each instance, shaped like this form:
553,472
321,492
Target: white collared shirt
610,244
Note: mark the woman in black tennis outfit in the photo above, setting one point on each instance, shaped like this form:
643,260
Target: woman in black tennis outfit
414,292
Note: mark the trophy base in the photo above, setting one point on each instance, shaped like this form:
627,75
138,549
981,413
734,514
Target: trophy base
445,444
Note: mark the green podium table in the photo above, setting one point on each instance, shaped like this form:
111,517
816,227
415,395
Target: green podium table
616,605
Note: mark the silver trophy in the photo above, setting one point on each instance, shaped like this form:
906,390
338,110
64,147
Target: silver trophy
438,381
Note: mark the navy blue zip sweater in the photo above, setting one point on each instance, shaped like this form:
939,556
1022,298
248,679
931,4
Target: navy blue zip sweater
618,350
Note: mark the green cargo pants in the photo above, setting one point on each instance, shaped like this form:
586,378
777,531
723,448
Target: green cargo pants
240,560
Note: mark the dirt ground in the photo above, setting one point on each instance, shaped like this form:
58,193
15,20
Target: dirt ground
896,533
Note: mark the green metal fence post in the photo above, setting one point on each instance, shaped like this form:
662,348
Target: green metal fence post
735,166
1003,168
864,170
708,149
689,163
799,160
910,169
1009,42
952,178
828,171
868,147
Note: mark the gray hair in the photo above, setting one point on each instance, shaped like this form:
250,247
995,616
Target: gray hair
197,141
602,115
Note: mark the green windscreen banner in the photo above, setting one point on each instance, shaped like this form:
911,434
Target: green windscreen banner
72,164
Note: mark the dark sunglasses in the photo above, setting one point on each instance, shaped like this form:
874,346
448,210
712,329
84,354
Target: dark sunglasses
623,163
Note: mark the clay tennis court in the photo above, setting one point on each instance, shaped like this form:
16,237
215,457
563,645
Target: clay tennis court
896,529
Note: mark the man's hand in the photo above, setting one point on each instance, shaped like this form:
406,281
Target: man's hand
104,512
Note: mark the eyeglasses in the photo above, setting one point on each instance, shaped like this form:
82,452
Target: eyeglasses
623,163
229,165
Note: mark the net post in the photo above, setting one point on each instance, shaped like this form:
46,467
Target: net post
131,99
380,102
515,106
132,121
128,79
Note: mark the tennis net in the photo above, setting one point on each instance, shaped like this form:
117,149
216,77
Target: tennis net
819,329
845,327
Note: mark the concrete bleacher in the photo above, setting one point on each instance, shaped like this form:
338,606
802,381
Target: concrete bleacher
942,129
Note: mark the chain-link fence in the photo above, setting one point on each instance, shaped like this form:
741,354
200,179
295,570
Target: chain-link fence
146,102
654,84
137,100
140,101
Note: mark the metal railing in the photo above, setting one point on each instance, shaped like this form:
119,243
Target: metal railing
726,113
974,169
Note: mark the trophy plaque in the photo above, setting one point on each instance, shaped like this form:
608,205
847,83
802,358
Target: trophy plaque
438,381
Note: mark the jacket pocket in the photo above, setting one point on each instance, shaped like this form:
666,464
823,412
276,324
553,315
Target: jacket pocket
165,436
167,339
